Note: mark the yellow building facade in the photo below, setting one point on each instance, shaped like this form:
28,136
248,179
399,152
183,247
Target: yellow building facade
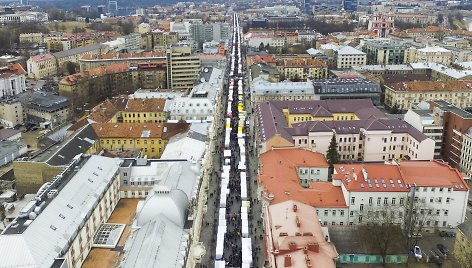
147,138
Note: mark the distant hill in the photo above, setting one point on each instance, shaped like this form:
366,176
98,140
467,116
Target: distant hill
69,4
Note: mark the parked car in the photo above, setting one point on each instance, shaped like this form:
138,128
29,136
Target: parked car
443,249
436,258
417,252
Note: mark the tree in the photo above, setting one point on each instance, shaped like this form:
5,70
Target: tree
127,28
382,229
418,215
261,46
332,155
71,67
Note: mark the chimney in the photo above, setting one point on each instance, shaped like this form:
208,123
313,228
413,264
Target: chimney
295,208
292,246
287,261
315,247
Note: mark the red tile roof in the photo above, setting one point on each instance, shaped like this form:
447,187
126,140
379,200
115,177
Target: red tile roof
279,178
11,70
397,178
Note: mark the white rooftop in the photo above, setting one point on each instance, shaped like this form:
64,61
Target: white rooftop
434,49
457,74
261,86
47,237
348,50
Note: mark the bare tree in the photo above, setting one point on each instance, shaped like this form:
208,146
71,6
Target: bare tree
418,215
381,229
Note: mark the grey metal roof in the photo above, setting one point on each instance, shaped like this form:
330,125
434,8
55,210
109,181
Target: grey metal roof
47,237
78,143
79,50
44,101
159,243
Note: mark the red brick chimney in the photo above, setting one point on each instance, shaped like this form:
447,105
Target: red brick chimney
287,261
315,247
292,246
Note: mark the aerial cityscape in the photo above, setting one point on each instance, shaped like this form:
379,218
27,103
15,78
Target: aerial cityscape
253,134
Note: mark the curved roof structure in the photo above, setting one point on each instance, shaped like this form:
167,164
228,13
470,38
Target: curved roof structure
170,203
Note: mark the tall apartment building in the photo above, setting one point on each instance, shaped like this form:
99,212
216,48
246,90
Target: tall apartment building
206,32
384,52
88,62
12,80
182,67
456,122
405,95
62,234
465,164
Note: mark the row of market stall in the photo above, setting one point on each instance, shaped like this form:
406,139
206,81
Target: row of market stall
234,246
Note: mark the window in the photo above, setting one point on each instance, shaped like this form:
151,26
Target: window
393,201
402,200
439,199
353,200
370,200
325,223
341,223
351,213
448,200
446,212
449,190
326,212
440,190
431,200
334,213
437,212
125,182
341,212
386,201
333,223
444,223
379,199
433,189
361,207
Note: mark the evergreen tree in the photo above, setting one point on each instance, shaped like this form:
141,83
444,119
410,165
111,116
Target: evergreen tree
332,155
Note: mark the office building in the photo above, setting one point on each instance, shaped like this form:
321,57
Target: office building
11,112
263,90
384,52
428,122
183,67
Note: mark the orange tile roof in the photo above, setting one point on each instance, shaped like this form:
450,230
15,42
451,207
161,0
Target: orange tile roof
294,231
279,177
431,86
11,70
429,29
145,105
260,58
301,63
42,57
128,130
123,56
433,174
397,178
370,177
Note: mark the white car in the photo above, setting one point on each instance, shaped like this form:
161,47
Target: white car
417,252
